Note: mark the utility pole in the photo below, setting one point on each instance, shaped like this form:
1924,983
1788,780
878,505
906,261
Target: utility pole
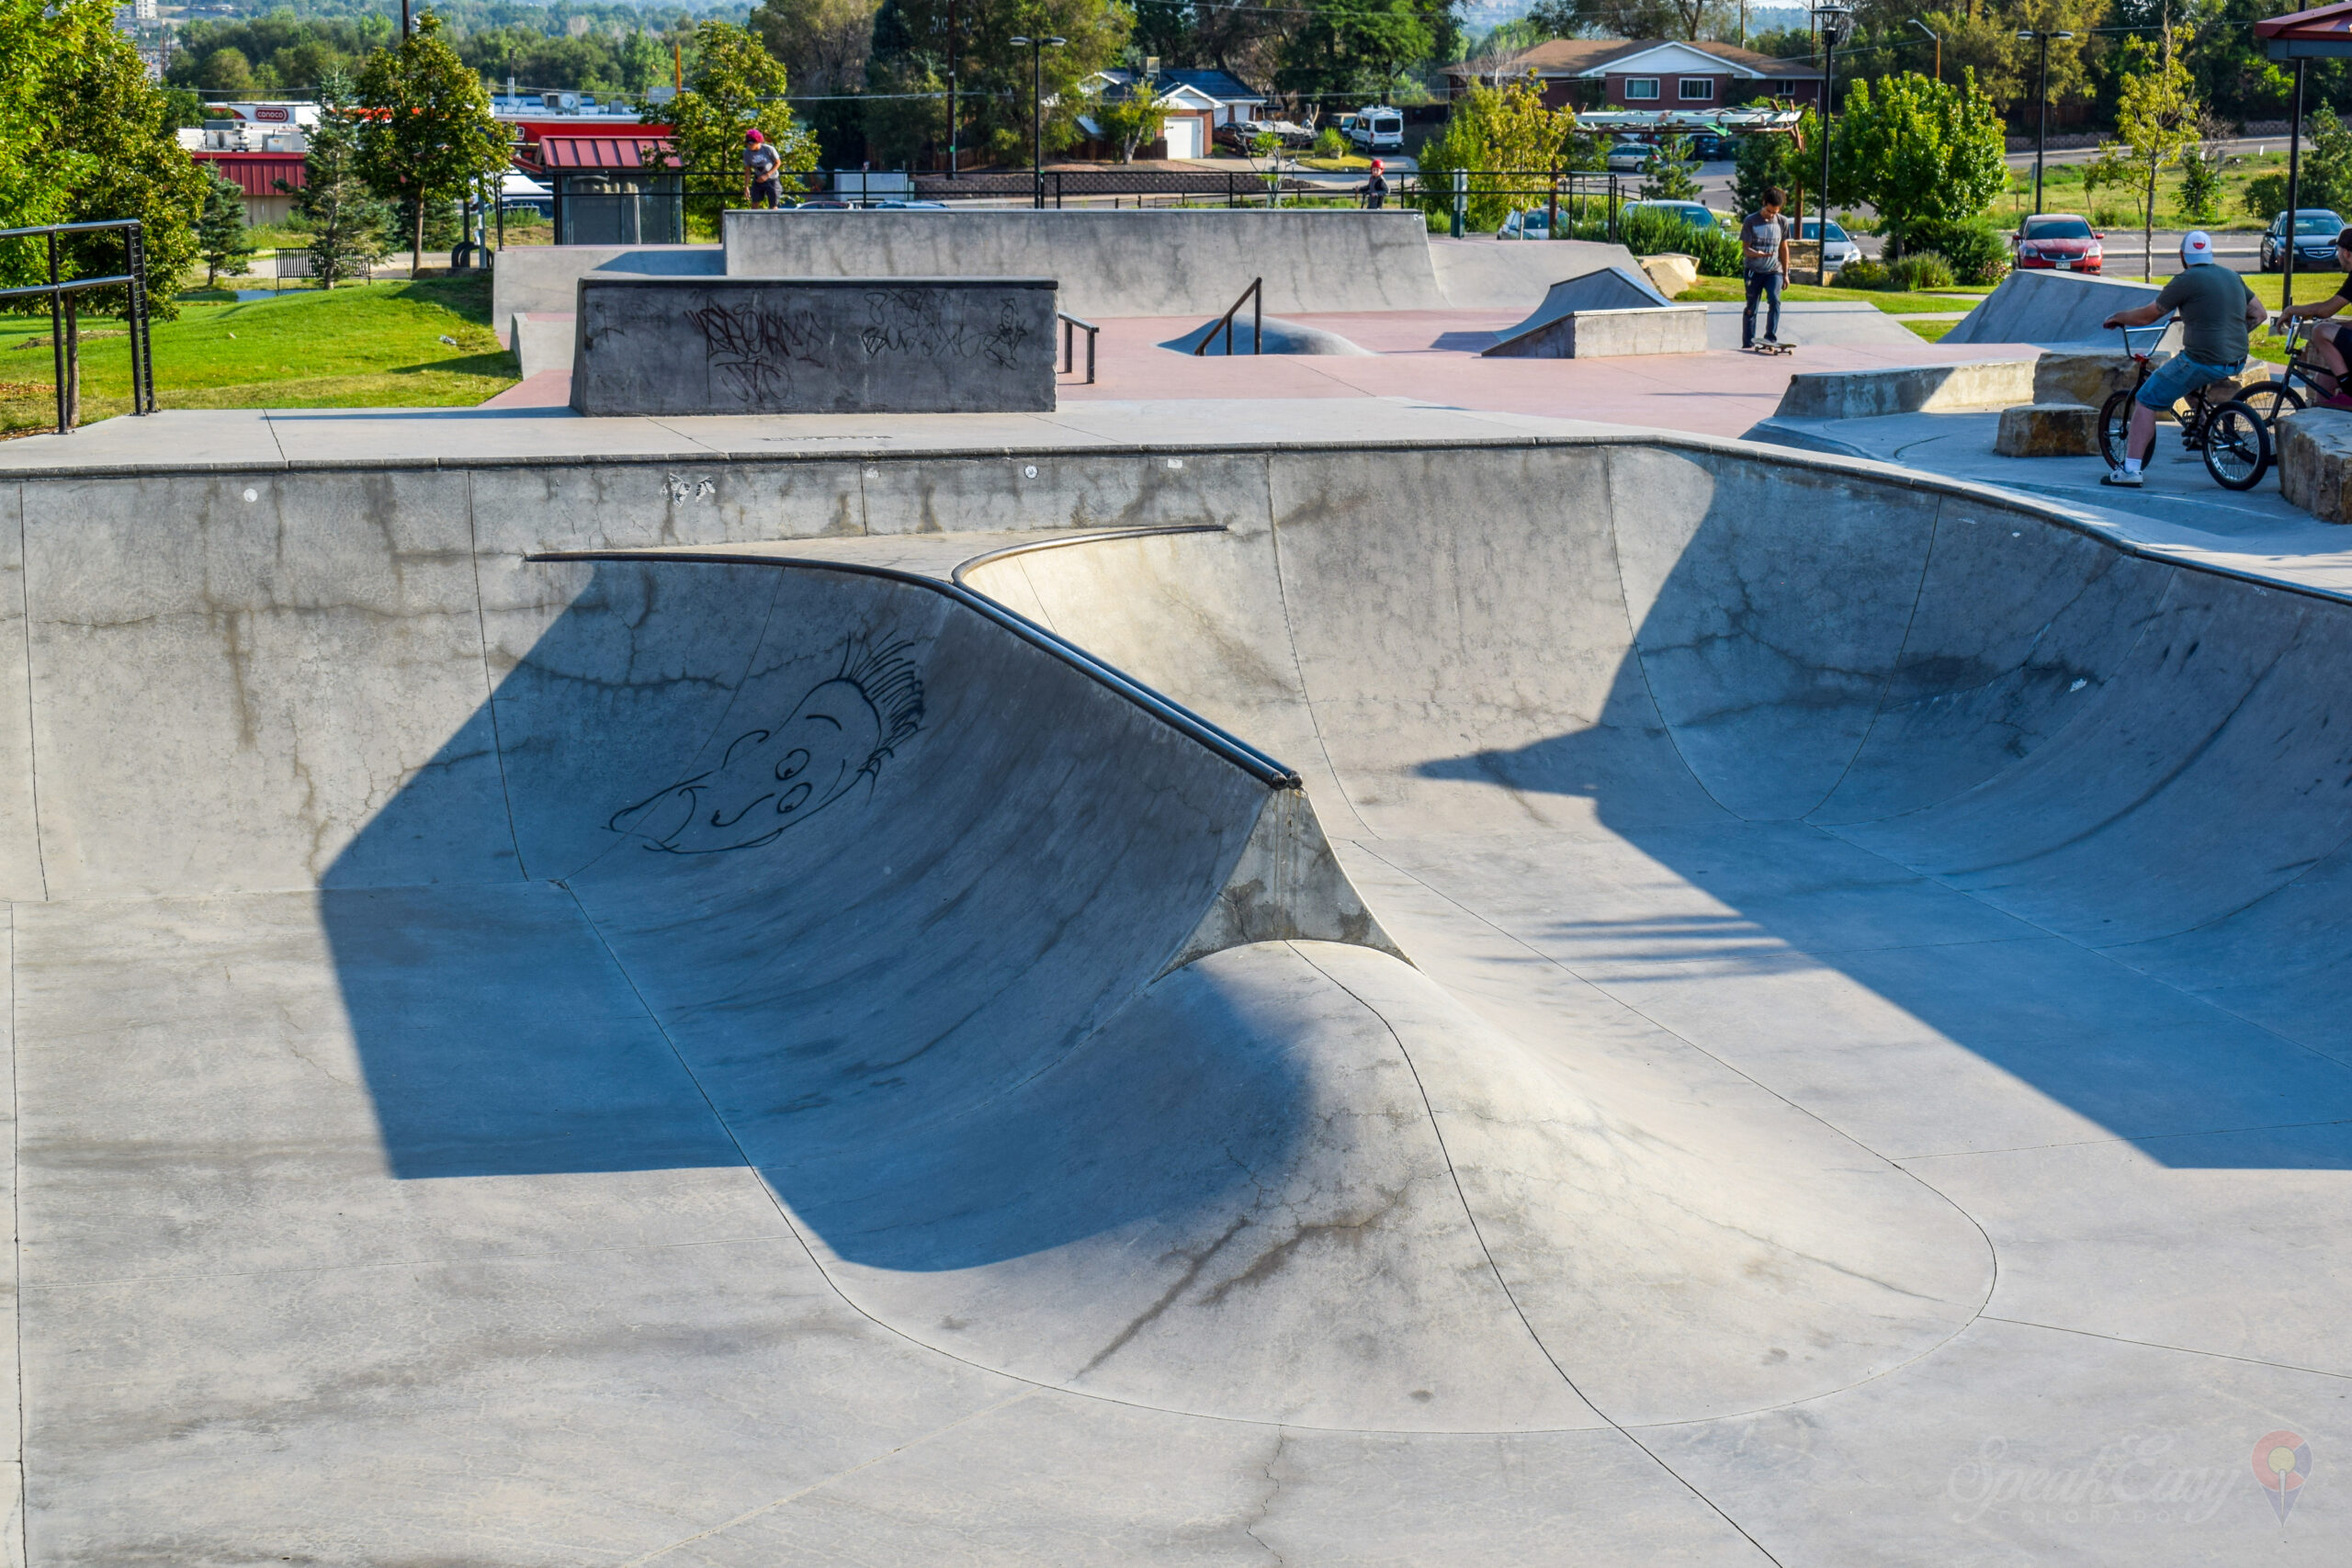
2042,132
2294,172
951,89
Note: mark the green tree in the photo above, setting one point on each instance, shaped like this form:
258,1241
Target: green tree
2156,116
911,39
1667,173
1130,122
427,130
1983,38
1920,152
734,86
222,238
227,73
1501,136
116,125
2201,175
1687,20
1765,162
1345,46
348,224
2325,179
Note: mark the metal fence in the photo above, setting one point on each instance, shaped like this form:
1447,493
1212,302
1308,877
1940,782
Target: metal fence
58,290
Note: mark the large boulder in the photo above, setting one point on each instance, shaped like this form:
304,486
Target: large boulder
2314,456
2047,430
2089,377
1671,272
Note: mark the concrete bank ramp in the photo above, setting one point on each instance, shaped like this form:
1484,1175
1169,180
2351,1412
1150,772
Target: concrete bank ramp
1481,273
2051,308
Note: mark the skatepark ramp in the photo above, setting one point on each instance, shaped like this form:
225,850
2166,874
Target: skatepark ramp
2052,307
1352,947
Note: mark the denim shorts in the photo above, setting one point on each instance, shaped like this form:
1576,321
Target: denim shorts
2179,377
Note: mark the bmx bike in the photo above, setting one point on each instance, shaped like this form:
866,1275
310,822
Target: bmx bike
2232,436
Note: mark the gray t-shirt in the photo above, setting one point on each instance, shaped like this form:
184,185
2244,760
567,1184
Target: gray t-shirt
1759,240
2211,301
761,160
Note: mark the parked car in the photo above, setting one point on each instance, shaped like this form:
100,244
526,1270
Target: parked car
1374,129
1708,148
1293,134
823,204
1238,134
2059,242
1534,223
1691,212
2315,232
898,204
1842,248
1628,157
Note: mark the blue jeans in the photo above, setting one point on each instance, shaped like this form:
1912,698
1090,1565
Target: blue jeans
2179,377
1760,285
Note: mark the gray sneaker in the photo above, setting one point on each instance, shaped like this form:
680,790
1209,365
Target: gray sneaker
2122,478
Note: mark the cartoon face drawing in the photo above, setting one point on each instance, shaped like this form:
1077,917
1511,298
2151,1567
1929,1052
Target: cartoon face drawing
776,778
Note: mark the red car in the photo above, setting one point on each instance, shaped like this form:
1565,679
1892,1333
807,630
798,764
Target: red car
2061,241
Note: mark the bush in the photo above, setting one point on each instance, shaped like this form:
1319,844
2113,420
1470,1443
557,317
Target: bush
1974,250
1923,269
1647,232
1330,143
1865,274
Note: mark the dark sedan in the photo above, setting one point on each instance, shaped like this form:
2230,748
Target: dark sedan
2315,232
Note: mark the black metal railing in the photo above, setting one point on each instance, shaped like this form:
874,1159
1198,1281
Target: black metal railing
1071,327
1255,297
65,358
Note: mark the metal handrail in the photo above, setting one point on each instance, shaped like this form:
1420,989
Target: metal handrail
134,281
1255,297
1071,327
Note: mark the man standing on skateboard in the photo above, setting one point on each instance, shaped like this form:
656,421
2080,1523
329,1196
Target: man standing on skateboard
1764,245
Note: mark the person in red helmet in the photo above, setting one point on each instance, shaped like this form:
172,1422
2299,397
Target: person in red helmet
761,167
1374,191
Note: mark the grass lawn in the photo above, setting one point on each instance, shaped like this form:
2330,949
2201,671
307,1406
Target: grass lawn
1894,302
376,344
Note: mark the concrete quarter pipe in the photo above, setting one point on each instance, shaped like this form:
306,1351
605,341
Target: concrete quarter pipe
593,1013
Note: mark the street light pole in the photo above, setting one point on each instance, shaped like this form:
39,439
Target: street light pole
1833,18
2041,91
951,89
1037,47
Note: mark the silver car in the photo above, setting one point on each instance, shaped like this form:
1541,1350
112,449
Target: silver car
1842,248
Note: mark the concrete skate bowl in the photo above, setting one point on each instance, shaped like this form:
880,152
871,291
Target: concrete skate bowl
1042,1008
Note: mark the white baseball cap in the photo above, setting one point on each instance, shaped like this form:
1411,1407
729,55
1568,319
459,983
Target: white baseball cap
2196,246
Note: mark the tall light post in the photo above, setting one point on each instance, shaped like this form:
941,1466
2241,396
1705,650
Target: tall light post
1834,18
951,89
1036,48
2041,91
1940,45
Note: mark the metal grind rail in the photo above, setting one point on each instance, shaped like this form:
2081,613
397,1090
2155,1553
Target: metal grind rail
133,282
1255,297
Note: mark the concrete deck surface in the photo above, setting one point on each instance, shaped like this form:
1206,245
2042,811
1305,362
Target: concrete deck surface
1796,1019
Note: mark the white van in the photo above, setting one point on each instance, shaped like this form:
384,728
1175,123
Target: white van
1374,130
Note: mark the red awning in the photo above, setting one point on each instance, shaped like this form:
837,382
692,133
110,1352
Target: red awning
255,173
557,152
2321,32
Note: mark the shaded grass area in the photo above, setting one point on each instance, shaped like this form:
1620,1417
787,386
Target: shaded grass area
378,345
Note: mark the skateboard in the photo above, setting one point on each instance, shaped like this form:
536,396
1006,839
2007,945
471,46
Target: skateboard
1769,348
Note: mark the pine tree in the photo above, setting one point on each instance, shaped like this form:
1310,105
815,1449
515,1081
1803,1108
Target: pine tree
222,238
346,222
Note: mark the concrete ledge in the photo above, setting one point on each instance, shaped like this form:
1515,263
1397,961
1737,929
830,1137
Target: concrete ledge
2047,430
1907,389
533,278
2314,455
1597,334
658,345
541,340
